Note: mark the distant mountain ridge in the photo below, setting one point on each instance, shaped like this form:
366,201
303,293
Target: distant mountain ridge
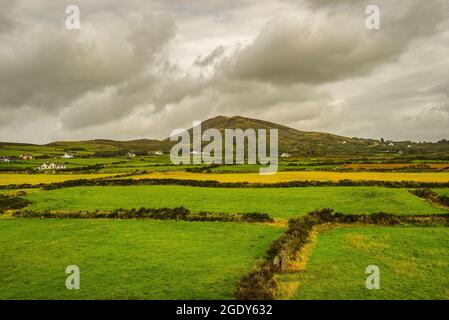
293,141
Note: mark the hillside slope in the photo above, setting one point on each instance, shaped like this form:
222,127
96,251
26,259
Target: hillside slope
293,141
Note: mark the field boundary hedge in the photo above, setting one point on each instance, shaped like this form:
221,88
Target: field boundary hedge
216,184
178,213
12,202
431,197
260,283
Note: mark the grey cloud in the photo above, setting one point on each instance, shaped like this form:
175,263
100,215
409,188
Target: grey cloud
97,108
399,102
5,23
175,90
337,47
335,3
230,97
7,15
152,33
256,97
59,67
429,123
210,58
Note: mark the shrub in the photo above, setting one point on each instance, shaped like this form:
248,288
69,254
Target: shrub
259,284
256,217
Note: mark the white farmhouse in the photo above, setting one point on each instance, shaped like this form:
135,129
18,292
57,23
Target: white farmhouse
285,155
51,166
158,153
67,156
131,154
4,159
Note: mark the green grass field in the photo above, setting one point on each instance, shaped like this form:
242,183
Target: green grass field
124,259
413,262
278,202
443,192
35,179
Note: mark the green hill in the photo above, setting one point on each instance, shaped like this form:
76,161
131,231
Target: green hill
293,141
307,143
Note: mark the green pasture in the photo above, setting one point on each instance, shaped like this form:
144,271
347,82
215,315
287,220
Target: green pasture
443,192
278,202
413,264
123,259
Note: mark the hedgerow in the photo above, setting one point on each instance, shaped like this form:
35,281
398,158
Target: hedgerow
179,213
431,196
217,184
12,203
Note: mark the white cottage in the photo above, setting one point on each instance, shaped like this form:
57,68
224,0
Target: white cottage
51,166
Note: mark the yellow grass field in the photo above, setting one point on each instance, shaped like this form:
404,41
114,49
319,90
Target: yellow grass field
6,179
301,176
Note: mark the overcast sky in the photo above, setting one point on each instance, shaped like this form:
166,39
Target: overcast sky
139,69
